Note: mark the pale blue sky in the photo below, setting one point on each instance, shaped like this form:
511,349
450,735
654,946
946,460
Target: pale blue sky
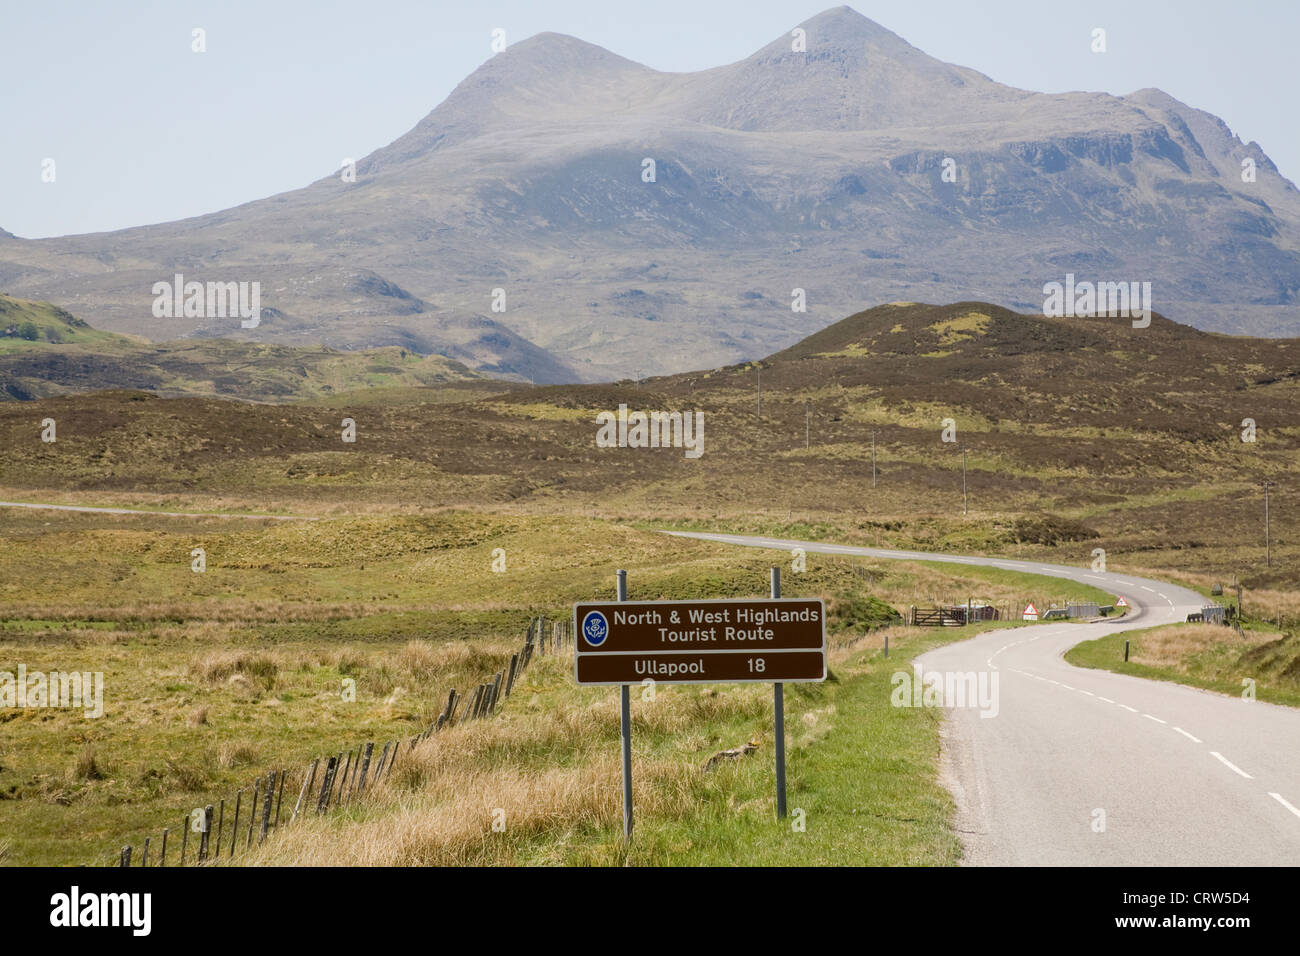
143,130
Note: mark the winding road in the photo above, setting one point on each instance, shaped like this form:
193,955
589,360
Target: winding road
1086,767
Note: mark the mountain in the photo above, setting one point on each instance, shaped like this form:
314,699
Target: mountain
822,170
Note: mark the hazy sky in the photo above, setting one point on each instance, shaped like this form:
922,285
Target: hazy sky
144,130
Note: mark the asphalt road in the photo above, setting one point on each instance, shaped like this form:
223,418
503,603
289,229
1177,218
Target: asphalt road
1086,767
38,506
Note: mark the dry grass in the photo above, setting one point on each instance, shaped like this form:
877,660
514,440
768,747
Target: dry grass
1171,646
85,767
550,769
231,754
220,666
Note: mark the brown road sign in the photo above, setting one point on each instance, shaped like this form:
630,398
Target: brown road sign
707,668
675,642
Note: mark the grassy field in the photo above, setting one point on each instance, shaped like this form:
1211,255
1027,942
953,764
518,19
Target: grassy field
862,780
1079,435
213,677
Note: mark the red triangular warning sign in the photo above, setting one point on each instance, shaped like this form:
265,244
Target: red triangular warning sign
1120,602
1031,613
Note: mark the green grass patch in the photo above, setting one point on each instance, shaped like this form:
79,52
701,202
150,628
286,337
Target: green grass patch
1269,658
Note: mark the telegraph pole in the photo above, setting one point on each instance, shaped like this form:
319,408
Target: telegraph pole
873,459
963,479
760,391
807,418
1268,550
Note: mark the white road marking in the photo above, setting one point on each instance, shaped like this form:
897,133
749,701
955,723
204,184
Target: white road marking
1145,588
1067,687
1130,709
1106,699
1164,595
1088,692
1230,765
1156,719
1195,740
1282,800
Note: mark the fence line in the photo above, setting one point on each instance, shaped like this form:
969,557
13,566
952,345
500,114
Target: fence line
343,781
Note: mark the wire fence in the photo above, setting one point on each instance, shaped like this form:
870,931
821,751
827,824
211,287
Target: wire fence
344,775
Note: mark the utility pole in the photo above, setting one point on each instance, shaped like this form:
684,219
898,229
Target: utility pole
873,459
760,391
963,479
1268,551
807,418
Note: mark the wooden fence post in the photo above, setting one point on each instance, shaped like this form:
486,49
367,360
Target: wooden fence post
204,841
221,819
326,782
306,786
338,766
510,673
280,799
126,856
185,838
365,765
144,858
352,780
252,813
266,807
343,782
162,853
234,827
446,712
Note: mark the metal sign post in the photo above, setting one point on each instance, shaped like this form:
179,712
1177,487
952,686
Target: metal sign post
778,706
625,722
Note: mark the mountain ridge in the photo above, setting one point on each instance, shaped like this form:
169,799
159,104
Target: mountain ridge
780,171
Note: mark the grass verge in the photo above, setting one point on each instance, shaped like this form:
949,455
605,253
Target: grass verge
1203,655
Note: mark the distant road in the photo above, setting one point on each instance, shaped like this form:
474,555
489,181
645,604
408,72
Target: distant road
1179,775
143,511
